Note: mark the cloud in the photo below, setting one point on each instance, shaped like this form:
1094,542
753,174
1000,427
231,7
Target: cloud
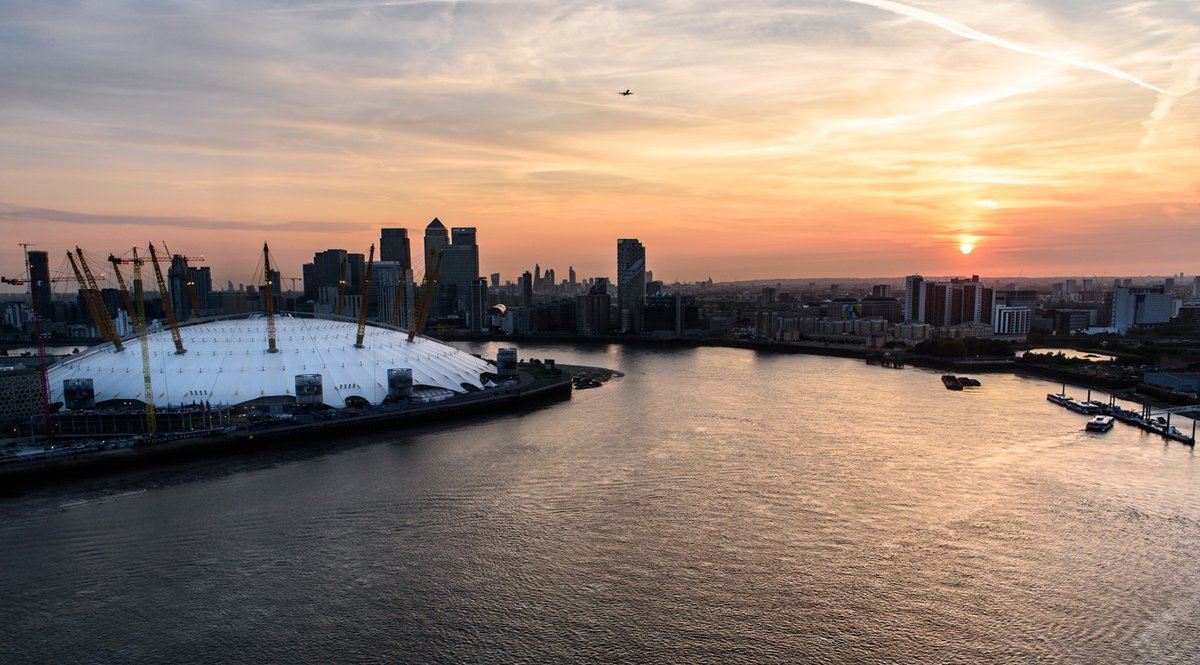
25,215
954,27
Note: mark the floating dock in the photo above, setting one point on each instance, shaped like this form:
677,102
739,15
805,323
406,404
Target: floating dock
1149,419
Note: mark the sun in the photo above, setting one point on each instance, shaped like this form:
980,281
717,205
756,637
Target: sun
966,247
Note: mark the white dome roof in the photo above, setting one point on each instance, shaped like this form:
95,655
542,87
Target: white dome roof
227,363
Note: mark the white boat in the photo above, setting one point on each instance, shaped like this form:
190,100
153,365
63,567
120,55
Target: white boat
1099,424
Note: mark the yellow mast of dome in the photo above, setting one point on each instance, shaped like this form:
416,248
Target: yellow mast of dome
151,419
366,298
91,297
166,301
270,298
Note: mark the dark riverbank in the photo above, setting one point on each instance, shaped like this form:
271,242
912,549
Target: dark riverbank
975,365
531,392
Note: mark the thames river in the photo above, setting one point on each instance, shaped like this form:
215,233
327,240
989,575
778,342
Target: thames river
713,505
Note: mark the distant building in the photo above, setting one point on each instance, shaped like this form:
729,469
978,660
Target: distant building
436,239
631,282
1140,307
527,289
881,307
593,311
478,305
460,267
1011,320
913,297
395,246
670,315
324,271
947,304
39,275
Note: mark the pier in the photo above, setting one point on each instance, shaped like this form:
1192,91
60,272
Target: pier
1155,420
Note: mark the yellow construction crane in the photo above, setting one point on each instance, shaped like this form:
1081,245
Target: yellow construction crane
134,317
366,298
166,301
101,307
151,420
95,307
425,299
270,300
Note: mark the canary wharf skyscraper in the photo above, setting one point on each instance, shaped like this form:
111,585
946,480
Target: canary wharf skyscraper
394,246
631,282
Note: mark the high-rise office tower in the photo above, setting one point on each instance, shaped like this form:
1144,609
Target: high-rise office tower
394,246
914,304
631,282
437,238
571,276
477,310
39,276
460,267
177,287
495,280
527,289
325,271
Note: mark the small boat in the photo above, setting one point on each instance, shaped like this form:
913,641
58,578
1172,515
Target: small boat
951,382
1099,424
969,382
1057,398
1081,407
1127,416
1171,432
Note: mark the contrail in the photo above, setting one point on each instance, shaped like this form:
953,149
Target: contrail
961,30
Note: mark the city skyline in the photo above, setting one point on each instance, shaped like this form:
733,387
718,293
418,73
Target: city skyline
853,137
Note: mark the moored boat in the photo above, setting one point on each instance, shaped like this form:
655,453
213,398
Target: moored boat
951,382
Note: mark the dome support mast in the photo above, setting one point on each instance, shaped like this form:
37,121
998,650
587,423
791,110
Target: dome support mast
97,308
366,298
269,297
166,301
148,394
425,297
133,313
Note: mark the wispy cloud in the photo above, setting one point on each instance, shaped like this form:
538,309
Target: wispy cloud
954,27
770,127
24,215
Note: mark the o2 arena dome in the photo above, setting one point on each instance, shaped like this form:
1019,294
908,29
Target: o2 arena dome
227,363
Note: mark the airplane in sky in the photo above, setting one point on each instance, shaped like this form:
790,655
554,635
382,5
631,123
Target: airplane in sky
626,93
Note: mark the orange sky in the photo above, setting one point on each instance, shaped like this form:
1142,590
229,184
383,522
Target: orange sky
771,140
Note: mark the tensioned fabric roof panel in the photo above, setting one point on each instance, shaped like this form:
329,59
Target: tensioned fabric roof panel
227,363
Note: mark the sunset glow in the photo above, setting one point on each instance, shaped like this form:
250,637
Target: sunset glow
766,140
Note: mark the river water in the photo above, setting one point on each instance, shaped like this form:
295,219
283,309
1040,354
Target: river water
713,505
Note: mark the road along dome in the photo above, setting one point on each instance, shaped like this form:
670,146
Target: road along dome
227,363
